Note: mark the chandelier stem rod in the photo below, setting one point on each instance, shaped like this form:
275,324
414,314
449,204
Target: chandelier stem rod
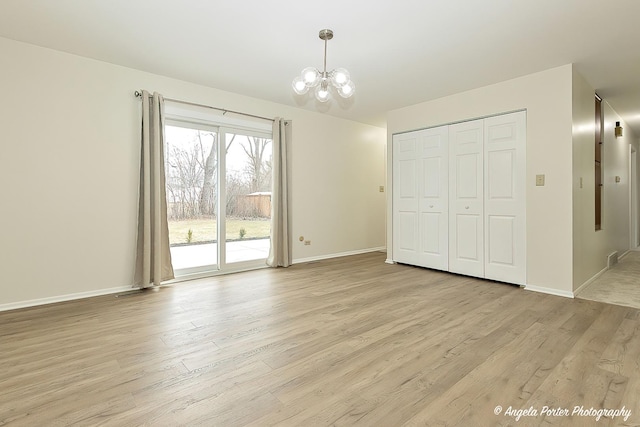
324,71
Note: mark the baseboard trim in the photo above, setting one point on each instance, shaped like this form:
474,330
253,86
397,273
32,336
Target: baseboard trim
340,254
590,281
101,292
63,298
549,291
389,261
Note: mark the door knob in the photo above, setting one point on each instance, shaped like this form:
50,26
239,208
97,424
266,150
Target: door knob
466,207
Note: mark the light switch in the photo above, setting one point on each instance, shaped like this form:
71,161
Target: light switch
382,188
539,180
580,182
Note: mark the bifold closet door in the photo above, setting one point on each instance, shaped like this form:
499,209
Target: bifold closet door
505,203
466,198
433,200
420,198
405,197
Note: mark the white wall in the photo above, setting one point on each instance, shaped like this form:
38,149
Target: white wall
616,204
546,96
69,157
591,247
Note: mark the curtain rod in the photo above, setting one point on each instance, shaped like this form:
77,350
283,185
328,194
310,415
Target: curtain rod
138,94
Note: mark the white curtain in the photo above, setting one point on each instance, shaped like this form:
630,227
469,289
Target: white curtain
153,259
280,251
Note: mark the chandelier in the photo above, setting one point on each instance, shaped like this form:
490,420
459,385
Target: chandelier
311,77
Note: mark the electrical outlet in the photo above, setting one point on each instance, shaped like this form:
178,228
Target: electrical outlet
540,180
307,242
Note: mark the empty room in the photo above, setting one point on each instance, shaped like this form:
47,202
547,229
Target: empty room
315,214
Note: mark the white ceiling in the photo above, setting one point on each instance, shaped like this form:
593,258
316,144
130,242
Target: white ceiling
399,52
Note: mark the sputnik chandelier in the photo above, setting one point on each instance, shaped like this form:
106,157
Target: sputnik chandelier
311,77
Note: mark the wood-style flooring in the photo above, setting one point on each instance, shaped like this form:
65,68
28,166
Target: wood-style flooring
350,341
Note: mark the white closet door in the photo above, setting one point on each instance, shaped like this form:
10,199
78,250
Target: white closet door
505,201
466,198
405,198
434,198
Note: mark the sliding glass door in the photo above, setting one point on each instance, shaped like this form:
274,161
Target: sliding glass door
191,168
218,195
248,196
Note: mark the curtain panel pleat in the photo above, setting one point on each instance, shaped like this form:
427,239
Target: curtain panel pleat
280,250
153,257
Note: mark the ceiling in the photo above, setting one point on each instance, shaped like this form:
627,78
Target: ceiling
399,52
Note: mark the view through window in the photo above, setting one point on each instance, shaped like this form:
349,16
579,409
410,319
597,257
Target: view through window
205,234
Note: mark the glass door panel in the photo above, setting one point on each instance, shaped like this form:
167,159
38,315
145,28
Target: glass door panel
248,196
191,163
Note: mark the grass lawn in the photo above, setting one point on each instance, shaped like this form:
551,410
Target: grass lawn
204,229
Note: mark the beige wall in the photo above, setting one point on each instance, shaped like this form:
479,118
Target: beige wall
69,166
590,247
546,96
616,203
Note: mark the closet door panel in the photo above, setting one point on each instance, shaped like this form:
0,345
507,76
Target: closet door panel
505,198
434,198
405,197
466,198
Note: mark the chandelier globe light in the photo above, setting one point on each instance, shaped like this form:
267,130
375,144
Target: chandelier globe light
339,79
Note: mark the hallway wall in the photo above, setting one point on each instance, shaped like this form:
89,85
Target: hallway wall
591,247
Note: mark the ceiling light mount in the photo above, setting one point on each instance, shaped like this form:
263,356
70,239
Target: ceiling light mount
325,34
311,77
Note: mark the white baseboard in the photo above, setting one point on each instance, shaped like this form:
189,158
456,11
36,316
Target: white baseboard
549,291
338,255
590,281
389,261
62,298
100,292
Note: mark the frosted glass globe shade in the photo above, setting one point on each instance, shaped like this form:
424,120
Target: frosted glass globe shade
340,77
347,90
322,94
310,76
299,86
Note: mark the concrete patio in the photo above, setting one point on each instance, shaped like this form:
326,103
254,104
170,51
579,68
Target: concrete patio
197,255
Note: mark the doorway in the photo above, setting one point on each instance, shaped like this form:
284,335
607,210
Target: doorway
218,182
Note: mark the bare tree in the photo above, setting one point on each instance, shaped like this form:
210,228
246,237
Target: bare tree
209,194
184,177
258,167
209,182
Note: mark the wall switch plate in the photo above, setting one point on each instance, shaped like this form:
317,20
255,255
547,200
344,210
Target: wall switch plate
580,182
382,188
617,179
539,180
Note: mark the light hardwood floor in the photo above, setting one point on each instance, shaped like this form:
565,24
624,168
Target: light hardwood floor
347,341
